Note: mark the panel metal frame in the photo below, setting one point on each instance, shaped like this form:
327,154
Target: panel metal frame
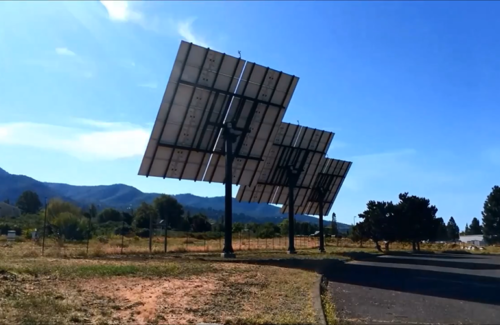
326,187
208,133
287,155
246,129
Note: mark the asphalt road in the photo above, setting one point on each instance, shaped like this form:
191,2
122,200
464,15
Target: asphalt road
418,289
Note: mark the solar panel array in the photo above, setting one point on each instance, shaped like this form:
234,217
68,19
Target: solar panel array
325,188
208,89
294,146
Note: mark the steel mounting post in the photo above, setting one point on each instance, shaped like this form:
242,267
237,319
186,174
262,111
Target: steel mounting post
321,233
293,176
230,136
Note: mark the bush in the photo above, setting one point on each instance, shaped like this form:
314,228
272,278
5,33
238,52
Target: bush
103,239
126,230
143,233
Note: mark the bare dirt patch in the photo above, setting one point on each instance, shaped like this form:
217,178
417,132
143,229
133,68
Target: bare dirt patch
166,301
65,291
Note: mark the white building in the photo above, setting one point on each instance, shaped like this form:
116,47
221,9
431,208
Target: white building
476,240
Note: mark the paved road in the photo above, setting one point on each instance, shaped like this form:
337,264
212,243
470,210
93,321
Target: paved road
423,289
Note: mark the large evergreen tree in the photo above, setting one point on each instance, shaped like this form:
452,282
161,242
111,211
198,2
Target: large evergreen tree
169,209
452,230
475,227
29,202
335,230
491,217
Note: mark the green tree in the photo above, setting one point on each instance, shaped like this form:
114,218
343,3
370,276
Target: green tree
109,214
359,233
238,227
441,233
169,209
128,218
475,227
416,219
466,230
452,230
284,227
69,226
29,202
335,230
65,220
142,215
379,222
267,230
199,223
92,211
491,217
58,206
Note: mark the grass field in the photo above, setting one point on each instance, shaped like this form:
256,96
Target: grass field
62,291
243,246
106,286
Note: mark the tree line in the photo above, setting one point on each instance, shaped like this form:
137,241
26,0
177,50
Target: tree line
66,220
413,219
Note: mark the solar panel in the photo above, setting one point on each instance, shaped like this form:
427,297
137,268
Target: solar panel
266,94
330,178
198,91
296,146
205,90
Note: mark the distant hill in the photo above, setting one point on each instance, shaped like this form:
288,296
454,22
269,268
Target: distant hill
121,196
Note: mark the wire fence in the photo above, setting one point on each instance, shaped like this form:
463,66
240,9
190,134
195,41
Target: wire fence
176,242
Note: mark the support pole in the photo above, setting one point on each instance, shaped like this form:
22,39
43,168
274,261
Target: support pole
229,138
321,233
292,178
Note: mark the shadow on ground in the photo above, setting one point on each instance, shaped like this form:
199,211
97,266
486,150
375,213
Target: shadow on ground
453,285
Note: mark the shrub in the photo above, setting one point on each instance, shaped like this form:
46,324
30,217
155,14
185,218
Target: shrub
143,233
126,230
103,239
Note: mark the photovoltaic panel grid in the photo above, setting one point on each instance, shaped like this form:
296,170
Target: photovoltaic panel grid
329,178
206,89
294,145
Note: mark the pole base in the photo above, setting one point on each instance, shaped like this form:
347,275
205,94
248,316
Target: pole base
227,255
322,250
291,251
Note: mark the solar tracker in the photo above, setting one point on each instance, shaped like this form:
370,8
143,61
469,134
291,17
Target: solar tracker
294,146
289,169
326,187
206,90
216,120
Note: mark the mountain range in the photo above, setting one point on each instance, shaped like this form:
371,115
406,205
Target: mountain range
121,196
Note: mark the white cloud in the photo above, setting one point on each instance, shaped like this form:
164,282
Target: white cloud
151,85
113,141
122,11
185,30
64,51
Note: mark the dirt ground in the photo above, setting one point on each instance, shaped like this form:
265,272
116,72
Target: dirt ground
66,291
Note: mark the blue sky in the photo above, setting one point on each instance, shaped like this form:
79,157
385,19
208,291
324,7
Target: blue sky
411,89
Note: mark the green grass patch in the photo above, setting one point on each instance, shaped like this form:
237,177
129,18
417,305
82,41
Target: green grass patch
80,269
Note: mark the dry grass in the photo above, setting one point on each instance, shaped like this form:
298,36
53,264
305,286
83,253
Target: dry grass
245,247
62,291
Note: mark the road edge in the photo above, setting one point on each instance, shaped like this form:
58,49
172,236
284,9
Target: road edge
317,300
